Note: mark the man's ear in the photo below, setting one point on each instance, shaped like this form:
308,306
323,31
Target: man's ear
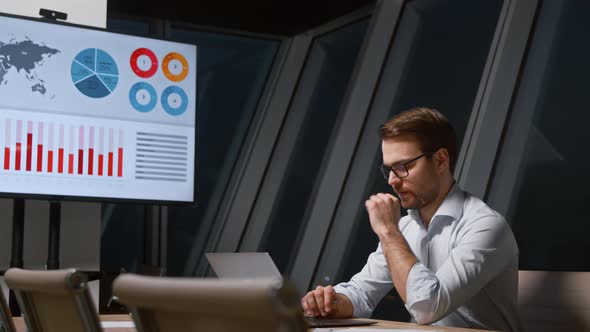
441,159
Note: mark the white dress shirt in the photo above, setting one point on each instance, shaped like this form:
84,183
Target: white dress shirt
466,274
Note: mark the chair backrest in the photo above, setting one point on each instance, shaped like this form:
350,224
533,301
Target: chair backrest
554,301
6,323
230,305
52,301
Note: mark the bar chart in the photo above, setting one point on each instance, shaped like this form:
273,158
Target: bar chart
50,147
62,155
161,157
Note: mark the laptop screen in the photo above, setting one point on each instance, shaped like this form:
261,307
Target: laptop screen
243,265
253,265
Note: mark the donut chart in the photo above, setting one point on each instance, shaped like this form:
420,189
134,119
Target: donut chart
144,62
142,97
174,100
94,73
175,67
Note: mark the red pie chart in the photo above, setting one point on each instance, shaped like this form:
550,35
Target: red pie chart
144,62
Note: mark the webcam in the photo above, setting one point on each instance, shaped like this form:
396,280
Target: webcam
52,14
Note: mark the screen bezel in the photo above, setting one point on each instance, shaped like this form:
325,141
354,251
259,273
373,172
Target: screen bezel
99,199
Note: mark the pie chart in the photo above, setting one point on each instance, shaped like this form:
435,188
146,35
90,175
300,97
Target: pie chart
94,73
142,97
144,62
174,100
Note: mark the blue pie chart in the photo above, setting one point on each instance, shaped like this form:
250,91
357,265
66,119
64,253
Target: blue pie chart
174,100
94,73
142,97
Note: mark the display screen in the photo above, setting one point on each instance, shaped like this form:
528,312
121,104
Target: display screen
86,113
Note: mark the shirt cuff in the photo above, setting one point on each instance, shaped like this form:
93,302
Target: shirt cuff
359,307
420,287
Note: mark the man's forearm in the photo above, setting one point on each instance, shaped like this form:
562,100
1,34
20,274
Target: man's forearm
400,259
344,306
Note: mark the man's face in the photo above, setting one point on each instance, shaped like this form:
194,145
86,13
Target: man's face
422,184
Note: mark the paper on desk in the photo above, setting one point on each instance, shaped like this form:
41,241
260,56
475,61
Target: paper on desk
115,324
323,329
388,330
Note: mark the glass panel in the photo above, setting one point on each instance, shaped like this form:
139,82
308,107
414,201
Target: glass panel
232,71
540,179
123,224
443,70
133,27
328,69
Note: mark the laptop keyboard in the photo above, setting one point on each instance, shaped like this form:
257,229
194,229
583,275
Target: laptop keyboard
326,322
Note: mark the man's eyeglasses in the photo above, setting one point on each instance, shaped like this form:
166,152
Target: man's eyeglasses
400,170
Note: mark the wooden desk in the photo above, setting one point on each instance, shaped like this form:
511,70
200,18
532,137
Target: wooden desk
382,324
20,325
386,324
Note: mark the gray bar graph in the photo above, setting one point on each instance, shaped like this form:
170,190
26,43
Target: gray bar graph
161,157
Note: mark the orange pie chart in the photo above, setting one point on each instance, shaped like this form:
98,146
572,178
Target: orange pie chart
175,67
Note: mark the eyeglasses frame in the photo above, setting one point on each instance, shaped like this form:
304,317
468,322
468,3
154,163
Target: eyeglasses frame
382,168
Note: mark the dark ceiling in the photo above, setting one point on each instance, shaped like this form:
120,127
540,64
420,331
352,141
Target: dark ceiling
261,16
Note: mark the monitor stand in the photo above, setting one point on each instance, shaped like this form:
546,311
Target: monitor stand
16,260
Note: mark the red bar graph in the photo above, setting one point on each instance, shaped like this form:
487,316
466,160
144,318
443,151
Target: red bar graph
67,149
7,140
91,151
50,149
6,158
49,161
120,163
70,163
60,160
111,155
80,161
18,145
29,151
110,166
71,151
100,151
90,161
100,163
120,155
60,151
39,157
40,148
81,151
17,156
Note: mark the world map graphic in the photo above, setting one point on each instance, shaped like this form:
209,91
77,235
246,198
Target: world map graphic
23,57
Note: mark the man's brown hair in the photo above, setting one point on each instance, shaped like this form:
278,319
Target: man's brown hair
430,127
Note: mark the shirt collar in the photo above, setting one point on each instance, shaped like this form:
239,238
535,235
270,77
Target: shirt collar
452,206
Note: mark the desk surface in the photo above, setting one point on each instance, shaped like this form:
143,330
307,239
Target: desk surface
382,324
19,323
386,324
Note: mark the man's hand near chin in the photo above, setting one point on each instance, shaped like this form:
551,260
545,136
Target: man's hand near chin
325,302
384,215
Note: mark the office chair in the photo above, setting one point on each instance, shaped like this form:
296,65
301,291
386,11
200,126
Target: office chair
554,301
54,301
231,305
6,323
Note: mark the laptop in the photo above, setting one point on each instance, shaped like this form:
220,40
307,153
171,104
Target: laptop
243,265
255,265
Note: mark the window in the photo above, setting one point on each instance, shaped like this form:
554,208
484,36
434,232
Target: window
540,177
231,75
122,225
327,71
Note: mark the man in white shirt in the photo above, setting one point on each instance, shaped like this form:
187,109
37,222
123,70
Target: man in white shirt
452,259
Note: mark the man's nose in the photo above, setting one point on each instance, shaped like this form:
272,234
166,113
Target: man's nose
393,179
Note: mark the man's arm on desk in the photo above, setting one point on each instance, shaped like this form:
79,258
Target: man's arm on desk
324,301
